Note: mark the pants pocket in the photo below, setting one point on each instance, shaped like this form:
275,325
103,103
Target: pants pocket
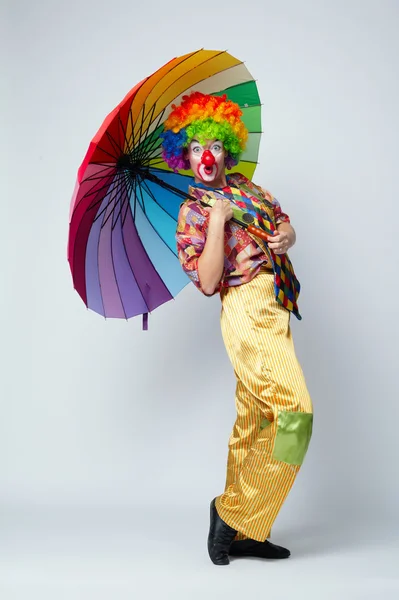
294,430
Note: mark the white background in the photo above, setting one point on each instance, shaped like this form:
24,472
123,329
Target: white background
101,419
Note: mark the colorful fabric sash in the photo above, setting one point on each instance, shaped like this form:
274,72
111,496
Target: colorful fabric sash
248,200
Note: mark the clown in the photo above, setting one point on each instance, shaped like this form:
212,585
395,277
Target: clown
259,291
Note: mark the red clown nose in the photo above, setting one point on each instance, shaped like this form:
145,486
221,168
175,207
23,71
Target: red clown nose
208,159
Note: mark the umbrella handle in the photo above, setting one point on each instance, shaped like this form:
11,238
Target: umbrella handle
251,228
259,232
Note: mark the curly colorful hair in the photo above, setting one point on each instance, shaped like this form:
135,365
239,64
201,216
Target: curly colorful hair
203,117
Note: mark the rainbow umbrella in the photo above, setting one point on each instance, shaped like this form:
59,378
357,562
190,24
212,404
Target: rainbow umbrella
122,247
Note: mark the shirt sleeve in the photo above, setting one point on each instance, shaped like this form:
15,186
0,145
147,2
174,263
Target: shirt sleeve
191,238
279,215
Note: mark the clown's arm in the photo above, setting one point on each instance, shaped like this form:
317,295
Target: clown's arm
211,262
202,255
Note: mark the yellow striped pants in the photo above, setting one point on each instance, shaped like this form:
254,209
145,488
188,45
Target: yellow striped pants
273,427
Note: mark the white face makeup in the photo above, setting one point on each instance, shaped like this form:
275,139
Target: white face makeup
207,161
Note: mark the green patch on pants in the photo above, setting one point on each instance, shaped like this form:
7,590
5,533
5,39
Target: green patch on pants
294,430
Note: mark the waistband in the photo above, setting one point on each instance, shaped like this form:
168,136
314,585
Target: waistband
266,268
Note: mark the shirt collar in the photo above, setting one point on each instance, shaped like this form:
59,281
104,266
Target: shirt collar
208,187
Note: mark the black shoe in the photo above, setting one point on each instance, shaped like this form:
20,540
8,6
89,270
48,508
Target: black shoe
219,539
265,549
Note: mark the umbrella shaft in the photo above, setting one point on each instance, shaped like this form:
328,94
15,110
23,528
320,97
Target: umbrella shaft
255,230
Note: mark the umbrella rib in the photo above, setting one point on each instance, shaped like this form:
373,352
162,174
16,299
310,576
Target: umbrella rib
115,142
130,118
114,272
100,174
159,161
118,209
172,188
151,194
156,139
124,202
152,120
236,85
115,190
116,146
124,135
135,199
156,152
251,162
167,185
98,271
114,199
129,190
146,147
92,192
139,149
106,152
151,224
138,187
131,268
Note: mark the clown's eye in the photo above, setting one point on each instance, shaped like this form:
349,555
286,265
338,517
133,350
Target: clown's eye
216,147
196,149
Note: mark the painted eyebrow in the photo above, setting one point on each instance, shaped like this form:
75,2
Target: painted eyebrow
197,142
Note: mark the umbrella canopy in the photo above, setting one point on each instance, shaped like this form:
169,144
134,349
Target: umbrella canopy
121,247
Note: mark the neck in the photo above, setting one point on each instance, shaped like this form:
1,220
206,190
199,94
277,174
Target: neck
216,183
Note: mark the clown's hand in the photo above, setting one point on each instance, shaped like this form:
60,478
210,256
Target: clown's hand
280,242
221,211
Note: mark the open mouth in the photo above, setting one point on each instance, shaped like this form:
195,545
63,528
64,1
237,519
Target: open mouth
208,170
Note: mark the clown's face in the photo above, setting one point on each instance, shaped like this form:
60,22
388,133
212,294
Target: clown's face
207,162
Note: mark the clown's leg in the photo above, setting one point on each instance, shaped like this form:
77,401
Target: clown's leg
259,343
249,422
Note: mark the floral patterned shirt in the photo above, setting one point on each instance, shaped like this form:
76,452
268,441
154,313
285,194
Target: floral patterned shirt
243,257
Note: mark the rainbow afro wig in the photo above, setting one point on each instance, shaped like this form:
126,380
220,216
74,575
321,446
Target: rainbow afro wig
203,117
